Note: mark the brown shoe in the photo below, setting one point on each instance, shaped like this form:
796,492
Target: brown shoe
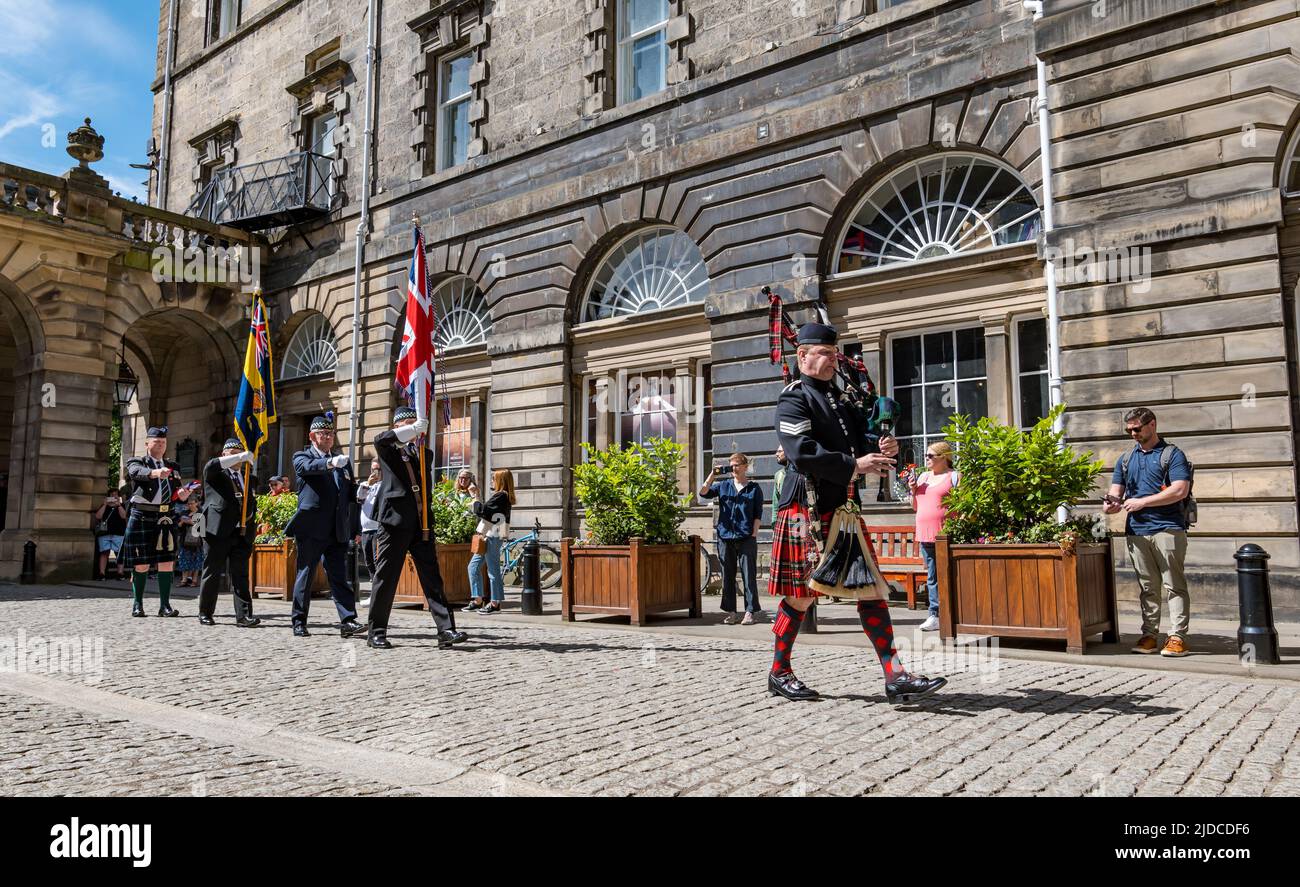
1174,646
1148,644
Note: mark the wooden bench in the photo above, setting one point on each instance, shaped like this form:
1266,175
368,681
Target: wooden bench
899,556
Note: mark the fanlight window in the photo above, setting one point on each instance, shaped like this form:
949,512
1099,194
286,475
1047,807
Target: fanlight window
939,206
1291,167
463,317
311,351
652,269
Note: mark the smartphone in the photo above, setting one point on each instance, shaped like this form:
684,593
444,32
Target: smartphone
1111,500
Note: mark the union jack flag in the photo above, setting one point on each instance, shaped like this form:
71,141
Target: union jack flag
417,362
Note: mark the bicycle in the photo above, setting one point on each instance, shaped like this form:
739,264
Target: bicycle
711,569
512,559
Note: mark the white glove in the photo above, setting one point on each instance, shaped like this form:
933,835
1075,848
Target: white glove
405,433
248,457
421,426
340,461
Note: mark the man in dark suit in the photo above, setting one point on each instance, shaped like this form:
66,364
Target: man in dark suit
327,518
229,544
402,490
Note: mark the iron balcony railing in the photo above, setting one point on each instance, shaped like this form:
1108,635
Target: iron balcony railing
256,196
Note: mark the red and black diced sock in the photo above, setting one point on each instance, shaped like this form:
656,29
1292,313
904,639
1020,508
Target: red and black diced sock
786,629
879,627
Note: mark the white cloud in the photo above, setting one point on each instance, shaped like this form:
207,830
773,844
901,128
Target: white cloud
52,29
27,26
23,105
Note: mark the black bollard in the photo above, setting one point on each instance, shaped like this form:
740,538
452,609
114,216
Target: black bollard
809,620
28,576
1257,636
532,595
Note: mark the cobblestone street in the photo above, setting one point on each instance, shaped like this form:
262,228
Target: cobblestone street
177,709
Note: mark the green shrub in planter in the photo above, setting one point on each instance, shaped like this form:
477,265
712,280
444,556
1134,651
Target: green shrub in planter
275,512
452,515
1013,481
632,492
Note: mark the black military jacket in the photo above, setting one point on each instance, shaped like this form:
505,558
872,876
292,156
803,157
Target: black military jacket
823,434
138,468
397,505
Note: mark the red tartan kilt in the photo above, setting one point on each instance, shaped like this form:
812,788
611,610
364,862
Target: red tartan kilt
790,566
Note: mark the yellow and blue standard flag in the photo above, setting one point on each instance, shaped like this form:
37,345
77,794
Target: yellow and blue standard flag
255,409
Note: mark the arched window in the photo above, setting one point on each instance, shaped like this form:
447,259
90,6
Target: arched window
1291,167
652,269
463,318
311,350
938,206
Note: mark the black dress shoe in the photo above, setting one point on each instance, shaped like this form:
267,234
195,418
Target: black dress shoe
205,619
351,628
248,622
168,611
790,687
300,631
378,639
449,636
910,688
138,610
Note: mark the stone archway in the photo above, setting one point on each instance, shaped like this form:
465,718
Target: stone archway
21,337
189,367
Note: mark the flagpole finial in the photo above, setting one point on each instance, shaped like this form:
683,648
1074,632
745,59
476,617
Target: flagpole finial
415,218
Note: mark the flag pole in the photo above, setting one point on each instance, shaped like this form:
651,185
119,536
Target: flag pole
424,487
243,506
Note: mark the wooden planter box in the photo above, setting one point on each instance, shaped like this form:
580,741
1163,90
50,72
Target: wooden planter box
453,564
272,571
1027,591
633,580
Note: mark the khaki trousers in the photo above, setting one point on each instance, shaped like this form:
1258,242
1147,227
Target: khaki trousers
1158,560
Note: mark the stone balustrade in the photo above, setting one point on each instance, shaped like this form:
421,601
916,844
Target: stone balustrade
31,192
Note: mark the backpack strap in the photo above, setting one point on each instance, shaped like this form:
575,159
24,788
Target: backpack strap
1123,466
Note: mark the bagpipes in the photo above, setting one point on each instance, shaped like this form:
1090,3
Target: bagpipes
846,566
858,390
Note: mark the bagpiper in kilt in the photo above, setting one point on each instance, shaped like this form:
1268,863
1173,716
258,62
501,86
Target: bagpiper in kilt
826,440
151,537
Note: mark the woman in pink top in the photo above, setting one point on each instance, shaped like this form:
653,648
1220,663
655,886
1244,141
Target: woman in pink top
928,491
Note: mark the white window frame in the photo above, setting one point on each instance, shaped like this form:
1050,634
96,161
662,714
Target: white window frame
949,227
219,28
436,406
1291,159
625,44
1016,320
892,376
659,372
443,127
701,466
586,381
315,320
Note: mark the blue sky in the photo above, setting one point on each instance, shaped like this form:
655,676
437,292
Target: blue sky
64,60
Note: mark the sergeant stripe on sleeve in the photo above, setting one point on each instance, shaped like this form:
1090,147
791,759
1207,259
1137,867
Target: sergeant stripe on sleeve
796,427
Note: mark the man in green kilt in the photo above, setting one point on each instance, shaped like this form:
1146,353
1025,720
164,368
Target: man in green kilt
151,534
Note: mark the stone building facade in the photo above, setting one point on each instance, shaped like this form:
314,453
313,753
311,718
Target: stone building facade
606,187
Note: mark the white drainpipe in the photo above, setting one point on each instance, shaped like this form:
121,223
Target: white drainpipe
363,224
164,160
1049,266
